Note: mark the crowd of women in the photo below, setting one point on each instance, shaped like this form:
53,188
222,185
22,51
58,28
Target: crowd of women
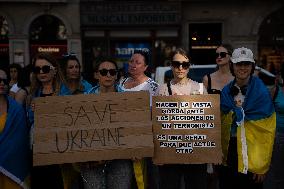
250,114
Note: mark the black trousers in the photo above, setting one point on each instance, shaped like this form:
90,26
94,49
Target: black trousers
229,177
46,177
194,176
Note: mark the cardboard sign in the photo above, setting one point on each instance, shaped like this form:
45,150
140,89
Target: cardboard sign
187,129
92,127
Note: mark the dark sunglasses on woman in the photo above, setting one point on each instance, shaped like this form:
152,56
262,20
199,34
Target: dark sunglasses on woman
177,64
5,81
104,72
45,69
221,54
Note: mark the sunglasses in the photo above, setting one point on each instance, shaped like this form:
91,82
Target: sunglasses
177,64
111,72
5,81
45,69
235,90
221,54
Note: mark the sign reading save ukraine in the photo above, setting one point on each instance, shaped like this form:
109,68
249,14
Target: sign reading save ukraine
83,128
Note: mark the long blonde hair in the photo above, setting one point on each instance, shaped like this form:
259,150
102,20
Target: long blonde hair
57,80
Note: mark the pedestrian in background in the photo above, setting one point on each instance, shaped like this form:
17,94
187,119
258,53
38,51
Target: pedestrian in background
15,71
248,125
275,176
24,82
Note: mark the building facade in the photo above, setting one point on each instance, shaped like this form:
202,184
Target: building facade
30,26
96,28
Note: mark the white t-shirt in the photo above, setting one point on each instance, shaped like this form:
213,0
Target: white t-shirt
189,88
149,85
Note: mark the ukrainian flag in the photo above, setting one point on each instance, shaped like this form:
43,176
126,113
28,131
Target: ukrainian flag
256,121
15,152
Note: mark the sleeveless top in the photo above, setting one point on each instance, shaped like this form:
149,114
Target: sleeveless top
209,88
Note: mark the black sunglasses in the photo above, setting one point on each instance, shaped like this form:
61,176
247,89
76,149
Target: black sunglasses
45,69
176,64
5,81
235,90
221,54
104,72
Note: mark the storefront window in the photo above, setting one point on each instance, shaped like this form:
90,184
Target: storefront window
4,29
47,28
203,40
48,34
271,42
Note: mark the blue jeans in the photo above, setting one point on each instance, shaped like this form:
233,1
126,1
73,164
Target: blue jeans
275,176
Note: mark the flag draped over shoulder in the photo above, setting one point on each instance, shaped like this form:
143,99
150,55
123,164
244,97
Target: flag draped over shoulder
259,123
15,151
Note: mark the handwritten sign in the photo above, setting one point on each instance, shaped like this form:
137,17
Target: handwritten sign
92,127
187,129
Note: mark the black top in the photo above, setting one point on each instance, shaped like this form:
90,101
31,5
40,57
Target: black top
209,89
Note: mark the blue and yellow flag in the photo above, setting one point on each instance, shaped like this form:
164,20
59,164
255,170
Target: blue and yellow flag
15,153
258,123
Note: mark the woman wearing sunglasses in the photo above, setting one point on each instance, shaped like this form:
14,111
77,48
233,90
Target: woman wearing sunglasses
46,81
115,174
71,70
171,174
15,160
215,81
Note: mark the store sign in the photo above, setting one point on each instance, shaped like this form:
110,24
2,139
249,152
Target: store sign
123,52
56,50
134,13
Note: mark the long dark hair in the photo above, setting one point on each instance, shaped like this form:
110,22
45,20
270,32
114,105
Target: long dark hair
64,63
102,60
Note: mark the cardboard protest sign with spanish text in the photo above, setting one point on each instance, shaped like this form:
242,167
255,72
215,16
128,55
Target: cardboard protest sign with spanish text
187,129
82,128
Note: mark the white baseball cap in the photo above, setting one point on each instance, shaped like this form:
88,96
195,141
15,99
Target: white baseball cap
242,55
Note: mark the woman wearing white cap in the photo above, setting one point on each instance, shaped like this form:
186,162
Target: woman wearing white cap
248,125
